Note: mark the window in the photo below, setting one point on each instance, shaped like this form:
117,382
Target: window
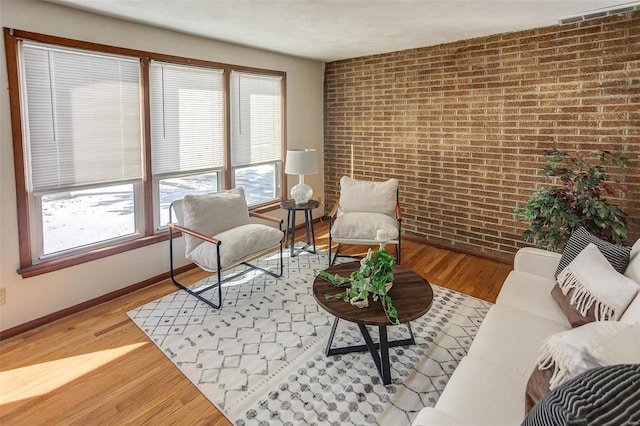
84,147
187,128
106,138
256,142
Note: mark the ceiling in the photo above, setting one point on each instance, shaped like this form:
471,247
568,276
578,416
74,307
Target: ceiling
329,30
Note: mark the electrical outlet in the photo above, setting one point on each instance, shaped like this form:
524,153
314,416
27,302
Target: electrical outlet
2,296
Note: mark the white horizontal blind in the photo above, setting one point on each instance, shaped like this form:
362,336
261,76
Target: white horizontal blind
256,122
83,116
187,124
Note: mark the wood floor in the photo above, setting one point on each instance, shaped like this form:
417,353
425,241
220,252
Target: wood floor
97,367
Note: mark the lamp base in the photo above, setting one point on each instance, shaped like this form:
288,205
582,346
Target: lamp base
301,193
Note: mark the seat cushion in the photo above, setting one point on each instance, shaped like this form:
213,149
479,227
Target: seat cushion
511,338
372,197
480,392
531,293
430,416
237,244
211,214
363,226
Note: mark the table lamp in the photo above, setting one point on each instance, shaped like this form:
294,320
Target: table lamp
301,162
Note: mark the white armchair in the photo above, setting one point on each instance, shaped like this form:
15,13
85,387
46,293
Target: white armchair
363,209
219,235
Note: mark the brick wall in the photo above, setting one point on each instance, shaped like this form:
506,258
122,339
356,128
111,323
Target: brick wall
462,125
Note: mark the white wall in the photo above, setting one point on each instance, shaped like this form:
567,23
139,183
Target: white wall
32,298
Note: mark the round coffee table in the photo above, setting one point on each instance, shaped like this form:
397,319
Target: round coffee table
412,297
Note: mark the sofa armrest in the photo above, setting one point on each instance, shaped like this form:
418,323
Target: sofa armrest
430,416
536,261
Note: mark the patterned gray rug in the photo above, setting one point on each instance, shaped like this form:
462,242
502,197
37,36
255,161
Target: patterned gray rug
260,358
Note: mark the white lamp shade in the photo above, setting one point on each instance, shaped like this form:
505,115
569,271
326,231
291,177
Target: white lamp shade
301,162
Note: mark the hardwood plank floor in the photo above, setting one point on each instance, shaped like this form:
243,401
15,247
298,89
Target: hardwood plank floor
97,367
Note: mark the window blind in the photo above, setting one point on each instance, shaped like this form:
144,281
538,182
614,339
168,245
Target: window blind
187,124
82,116
255,119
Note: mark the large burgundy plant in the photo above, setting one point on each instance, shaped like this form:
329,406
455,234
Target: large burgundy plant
578,199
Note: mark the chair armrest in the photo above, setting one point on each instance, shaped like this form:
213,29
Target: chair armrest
194,233
536,261
398,214
334,210
266,217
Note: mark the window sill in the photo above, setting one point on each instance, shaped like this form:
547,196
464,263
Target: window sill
55,265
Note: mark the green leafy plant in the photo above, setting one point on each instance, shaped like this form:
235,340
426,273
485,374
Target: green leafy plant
577,200
376,271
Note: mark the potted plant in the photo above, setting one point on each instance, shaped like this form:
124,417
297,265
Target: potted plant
374,278
577,199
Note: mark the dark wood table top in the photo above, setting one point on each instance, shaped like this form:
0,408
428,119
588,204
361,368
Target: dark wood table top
291,205
411,295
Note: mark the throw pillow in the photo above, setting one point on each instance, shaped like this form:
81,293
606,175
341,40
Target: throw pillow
537,387
618,256
605,395
211,214
576,319
571,352
370,197
595,283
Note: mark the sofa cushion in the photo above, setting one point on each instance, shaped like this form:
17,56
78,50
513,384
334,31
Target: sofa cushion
632,313
430,416
481,392
575,318
511,338
633,268
617,255
596,283
531,293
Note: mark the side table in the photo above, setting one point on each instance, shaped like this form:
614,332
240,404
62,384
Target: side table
291,207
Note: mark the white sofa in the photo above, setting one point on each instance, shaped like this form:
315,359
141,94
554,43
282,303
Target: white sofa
488,386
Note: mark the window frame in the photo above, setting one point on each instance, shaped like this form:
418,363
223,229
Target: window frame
149,233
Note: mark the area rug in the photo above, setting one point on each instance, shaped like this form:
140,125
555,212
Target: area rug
260,358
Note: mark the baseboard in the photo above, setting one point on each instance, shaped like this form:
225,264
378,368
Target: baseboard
11,332
508,260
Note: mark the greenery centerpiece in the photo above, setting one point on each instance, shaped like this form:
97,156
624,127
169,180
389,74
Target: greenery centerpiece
374,278
576,200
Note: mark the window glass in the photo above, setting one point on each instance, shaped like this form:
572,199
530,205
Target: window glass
259,183
175,188
73,219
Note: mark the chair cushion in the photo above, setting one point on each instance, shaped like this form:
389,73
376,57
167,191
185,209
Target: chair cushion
212,214
363,226
237,244
633,268
372,197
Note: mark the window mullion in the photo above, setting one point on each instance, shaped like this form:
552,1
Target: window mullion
228,171
147,177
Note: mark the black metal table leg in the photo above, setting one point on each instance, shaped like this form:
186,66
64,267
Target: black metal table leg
293,233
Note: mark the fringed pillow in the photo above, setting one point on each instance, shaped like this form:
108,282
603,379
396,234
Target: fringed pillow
593,282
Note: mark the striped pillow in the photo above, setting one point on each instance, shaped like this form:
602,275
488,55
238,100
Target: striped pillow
600,396
618,256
